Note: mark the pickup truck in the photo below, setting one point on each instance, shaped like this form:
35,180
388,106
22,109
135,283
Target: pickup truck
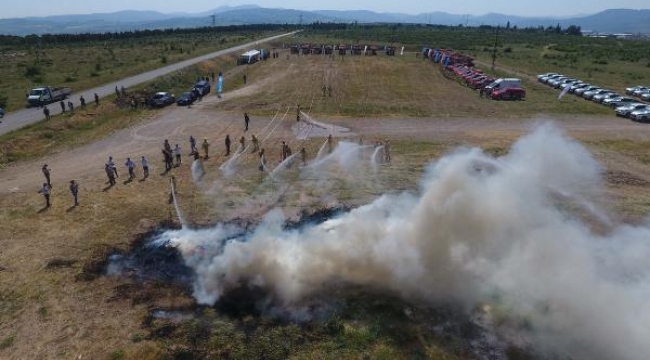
45,95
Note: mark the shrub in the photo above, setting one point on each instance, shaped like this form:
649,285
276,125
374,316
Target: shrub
33,71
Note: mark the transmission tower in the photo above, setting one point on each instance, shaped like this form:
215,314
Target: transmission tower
214,19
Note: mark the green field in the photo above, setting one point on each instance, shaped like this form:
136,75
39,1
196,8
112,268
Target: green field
81,64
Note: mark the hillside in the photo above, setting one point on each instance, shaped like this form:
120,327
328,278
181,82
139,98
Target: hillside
609,21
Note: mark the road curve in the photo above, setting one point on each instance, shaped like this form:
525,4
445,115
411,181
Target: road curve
21,118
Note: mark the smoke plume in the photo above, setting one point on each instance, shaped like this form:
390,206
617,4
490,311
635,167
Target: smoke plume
481,230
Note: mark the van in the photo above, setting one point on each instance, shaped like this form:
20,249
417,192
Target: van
503,84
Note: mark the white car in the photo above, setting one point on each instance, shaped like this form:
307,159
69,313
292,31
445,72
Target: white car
641,115
631,90
626,110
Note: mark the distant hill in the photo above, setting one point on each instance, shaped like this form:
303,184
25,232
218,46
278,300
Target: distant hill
609,21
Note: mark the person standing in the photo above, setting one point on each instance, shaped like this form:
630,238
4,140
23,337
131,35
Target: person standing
169,160
246,121
227,141
177,153
303,156
192,144
96,99
112,166
387,151
131,166
145,166
62,106
256,144
46,112
262,161
245,78
110,173
242,144
330,144
45,190
206,147
298,113
168,146
83,102
74,190
46,172
71,107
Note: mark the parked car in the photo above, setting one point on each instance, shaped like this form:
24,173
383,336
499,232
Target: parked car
638,92
583,90
631,90
186,98
569,84
541,76
645,96
600,97
546,79
626,110
560,84
615,102
640,115
203,87
162,99
575,87
590,94
508,94
556,81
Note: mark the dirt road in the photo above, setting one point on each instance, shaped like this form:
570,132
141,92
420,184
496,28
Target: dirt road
18,119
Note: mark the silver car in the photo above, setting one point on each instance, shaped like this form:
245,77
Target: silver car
615,102
590,94
631,90
583,90
600,97
626,110
641,115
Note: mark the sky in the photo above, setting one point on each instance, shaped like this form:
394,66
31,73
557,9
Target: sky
559,8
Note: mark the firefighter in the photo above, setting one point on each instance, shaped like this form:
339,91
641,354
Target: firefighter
206,147
227,141
74,190
45,190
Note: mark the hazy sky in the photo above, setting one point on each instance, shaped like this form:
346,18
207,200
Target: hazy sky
10,8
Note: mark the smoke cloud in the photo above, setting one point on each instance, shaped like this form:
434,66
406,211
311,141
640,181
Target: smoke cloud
481,230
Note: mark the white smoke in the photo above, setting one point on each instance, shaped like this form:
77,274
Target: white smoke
481,230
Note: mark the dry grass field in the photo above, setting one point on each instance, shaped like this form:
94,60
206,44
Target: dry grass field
55,302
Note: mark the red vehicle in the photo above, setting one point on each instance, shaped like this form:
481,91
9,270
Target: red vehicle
508,94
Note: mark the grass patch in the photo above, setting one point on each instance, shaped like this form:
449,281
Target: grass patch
7,342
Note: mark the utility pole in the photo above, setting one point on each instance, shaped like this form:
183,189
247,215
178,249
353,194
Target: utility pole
300,22
494,52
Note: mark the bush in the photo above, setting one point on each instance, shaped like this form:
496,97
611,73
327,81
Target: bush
33,71
163,59
3,101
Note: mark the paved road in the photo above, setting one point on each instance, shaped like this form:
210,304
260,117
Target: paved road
21,118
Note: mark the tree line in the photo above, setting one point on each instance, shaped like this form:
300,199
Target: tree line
45,39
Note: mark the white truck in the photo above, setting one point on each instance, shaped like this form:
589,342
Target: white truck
44,95
503,83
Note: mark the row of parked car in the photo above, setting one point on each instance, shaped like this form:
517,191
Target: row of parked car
624,106
496,89
473,77
200,89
